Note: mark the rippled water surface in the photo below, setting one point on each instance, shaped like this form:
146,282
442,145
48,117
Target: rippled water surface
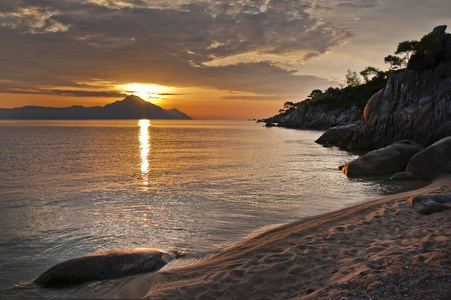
70,188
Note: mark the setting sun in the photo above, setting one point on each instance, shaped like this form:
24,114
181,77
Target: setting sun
148,92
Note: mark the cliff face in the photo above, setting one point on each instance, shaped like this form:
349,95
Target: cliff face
321,116
414,105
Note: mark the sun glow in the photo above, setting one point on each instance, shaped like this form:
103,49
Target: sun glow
148,92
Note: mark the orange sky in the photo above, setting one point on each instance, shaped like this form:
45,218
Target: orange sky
210,59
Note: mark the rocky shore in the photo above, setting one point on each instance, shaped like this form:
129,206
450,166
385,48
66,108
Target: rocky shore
308,116
414,105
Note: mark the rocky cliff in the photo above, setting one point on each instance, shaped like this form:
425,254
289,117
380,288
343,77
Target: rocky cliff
414,105
321,116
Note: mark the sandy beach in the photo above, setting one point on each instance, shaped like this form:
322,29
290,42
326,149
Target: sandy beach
383,249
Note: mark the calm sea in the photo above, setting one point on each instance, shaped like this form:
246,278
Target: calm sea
70,188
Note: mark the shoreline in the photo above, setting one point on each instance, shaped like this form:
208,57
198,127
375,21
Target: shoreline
382,248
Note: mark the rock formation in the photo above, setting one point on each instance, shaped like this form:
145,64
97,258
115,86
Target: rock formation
432,161
104,265
321,116
429,204
388,160
414,105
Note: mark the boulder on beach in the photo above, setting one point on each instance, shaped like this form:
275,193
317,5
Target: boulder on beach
387,160
337,135
429,204
432,161
105,265
405,176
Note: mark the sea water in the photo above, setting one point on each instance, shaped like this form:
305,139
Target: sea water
71,188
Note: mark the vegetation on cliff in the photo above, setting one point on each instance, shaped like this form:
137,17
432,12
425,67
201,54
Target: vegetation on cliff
415,55
415,104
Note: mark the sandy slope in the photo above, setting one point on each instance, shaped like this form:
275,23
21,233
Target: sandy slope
382,249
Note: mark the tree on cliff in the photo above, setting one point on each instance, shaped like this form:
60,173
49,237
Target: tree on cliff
370,71
406,47
314,94
394,61
352,78
288,107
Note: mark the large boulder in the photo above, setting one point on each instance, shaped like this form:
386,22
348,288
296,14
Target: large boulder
104,265
337,134
384,161
405,176
432,161
429,204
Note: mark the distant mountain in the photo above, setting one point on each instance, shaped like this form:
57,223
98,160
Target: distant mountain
132,107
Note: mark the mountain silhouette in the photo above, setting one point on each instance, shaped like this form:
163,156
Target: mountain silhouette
132,107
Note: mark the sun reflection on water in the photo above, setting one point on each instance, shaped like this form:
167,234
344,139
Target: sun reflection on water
144,145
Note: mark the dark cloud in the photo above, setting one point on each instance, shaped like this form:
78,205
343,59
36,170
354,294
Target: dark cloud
60,43
73,93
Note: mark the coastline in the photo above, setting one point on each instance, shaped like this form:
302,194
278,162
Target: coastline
382,248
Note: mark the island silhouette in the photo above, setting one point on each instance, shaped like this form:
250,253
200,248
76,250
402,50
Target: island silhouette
132,107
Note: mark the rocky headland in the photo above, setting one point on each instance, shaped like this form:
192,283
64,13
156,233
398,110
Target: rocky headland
322,116
406,125
414,105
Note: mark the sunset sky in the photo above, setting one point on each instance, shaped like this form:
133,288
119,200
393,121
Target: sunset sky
211,59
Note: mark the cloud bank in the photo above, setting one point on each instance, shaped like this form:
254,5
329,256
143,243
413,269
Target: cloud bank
52,46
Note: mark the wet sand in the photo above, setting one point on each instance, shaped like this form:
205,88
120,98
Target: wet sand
382,249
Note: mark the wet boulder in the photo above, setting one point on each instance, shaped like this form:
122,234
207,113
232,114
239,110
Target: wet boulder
105,265
432,161
337,136
405,176
384,161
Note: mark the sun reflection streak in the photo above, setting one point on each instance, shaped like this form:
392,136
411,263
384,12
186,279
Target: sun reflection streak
144,145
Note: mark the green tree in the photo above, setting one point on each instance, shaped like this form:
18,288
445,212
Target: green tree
314,94
426,44
352,78
406,47
370,71
394,61
288,107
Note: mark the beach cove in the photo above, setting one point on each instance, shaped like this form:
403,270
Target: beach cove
382,249
165,185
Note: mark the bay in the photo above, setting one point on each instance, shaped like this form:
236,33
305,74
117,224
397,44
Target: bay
71,188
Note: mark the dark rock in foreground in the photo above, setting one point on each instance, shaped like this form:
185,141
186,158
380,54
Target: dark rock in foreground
429,204
104,265
432,161
387,160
